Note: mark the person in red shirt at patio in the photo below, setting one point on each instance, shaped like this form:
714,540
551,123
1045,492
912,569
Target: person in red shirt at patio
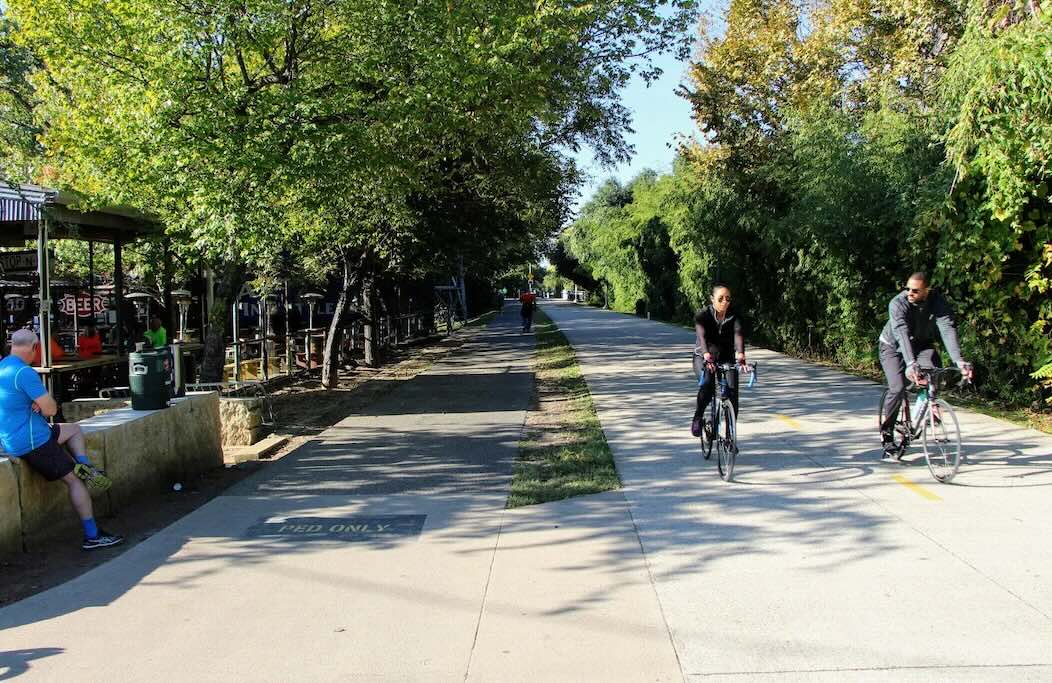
56,353
89,344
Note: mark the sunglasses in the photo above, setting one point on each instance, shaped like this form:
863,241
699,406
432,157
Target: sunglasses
723,298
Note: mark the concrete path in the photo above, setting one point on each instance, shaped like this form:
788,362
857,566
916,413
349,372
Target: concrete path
819,561
381,550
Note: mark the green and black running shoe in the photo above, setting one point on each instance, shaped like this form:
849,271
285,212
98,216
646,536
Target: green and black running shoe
94,478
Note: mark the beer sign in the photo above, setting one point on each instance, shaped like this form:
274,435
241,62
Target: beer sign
84,304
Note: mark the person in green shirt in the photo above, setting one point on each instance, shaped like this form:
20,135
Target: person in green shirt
156,335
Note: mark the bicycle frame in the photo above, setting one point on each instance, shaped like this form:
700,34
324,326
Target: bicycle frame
720,376
916,429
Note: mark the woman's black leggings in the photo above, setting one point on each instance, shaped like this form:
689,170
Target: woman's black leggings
708,389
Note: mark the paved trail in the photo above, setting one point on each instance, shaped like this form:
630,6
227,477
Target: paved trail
819,559
382,550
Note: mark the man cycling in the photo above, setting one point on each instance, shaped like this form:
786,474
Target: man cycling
721,336
906,345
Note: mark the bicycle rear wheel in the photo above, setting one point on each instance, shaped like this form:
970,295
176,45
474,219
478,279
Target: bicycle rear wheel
901,428
726,441
942,441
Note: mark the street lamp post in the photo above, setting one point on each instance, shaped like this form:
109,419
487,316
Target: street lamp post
312,299
182,299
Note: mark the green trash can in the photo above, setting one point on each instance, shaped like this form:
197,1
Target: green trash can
149,377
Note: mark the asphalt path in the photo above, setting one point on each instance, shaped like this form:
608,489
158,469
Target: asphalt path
381,550
819,560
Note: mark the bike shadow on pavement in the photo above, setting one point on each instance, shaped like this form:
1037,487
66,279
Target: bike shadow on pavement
14,663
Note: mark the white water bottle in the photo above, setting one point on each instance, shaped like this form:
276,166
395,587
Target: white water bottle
922,396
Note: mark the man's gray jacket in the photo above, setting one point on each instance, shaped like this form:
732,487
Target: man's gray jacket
912,327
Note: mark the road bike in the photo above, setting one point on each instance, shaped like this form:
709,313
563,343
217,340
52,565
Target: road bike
932,420
719,428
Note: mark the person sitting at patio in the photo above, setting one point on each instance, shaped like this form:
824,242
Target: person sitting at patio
26,435
89,344
156,335
56,351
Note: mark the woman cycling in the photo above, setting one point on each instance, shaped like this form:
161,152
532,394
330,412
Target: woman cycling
720,337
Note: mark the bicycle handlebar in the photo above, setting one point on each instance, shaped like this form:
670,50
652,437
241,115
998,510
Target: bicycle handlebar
931,374
748,368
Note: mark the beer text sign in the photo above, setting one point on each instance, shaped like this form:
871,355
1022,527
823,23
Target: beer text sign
351,529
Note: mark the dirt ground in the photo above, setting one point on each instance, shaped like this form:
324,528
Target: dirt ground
301,410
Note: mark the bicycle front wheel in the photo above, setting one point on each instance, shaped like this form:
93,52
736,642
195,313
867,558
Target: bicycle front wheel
706,439
726,441
942,441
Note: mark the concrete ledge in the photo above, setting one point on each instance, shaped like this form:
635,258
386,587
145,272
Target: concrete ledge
146,451
10,509
143,452
83,408
200,449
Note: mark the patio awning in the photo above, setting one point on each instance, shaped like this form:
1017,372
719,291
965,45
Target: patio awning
22,206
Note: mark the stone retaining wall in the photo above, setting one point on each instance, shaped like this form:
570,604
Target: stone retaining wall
10,510
242,420
143,452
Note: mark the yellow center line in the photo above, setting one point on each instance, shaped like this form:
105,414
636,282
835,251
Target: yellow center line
916,488
789,421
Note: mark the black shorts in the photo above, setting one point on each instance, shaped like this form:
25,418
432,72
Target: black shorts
50,459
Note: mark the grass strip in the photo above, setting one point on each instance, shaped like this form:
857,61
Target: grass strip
564,451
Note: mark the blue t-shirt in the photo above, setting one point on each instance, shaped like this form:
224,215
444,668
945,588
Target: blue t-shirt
21,429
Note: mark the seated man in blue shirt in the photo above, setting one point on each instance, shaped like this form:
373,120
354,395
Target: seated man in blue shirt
25,434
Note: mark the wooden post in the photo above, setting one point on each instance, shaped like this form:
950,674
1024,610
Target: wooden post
91,282
118,293
166,295
290,359
264,325
237,340
44,271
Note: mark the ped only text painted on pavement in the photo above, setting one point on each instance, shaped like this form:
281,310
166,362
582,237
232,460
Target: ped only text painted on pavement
340,529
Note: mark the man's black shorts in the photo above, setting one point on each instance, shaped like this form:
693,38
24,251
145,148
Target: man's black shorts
50,460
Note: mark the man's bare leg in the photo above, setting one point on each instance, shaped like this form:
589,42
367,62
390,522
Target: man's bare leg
71,436
79,496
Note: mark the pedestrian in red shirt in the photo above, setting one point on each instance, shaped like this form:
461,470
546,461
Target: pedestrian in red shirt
56,353
89,344
529,303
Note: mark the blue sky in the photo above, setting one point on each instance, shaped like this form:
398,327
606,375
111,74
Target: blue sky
658,115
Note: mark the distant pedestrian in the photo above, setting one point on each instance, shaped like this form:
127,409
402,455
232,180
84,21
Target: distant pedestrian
529,303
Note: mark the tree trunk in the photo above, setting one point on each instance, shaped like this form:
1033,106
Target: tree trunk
371,319
231,276
330,364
